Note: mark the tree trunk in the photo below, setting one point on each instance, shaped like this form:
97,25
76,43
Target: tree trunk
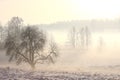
33,66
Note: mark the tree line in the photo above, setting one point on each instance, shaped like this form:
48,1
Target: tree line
80,37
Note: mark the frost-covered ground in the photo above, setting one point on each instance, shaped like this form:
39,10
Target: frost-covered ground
19,74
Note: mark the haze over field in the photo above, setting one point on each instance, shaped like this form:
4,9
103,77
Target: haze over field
58,17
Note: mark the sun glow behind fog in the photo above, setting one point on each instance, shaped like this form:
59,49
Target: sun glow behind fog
101,9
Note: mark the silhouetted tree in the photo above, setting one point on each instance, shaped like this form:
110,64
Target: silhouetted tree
29,48
30,43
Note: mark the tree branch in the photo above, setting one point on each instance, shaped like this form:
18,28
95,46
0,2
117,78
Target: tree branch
18,52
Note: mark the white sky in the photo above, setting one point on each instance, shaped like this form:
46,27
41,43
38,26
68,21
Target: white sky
49,11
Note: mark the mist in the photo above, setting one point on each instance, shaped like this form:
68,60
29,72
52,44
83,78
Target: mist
102,51
59,40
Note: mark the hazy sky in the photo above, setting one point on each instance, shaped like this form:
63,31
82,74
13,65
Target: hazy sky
49,11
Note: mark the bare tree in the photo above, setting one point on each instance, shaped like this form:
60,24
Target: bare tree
72,37
82,37
87,36
29,48
53,51
100,43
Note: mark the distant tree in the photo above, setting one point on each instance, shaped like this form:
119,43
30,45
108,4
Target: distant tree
87,36
29,48
82,37
72,37
100,43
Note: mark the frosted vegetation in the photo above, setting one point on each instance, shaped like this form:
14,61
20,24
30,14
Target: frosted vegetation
18,74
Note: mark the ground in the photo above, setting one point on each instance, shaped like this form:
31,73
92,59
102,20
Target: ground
19,74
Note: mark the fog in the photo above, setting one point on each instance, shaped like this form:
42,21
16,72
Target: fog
96,55
103,49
